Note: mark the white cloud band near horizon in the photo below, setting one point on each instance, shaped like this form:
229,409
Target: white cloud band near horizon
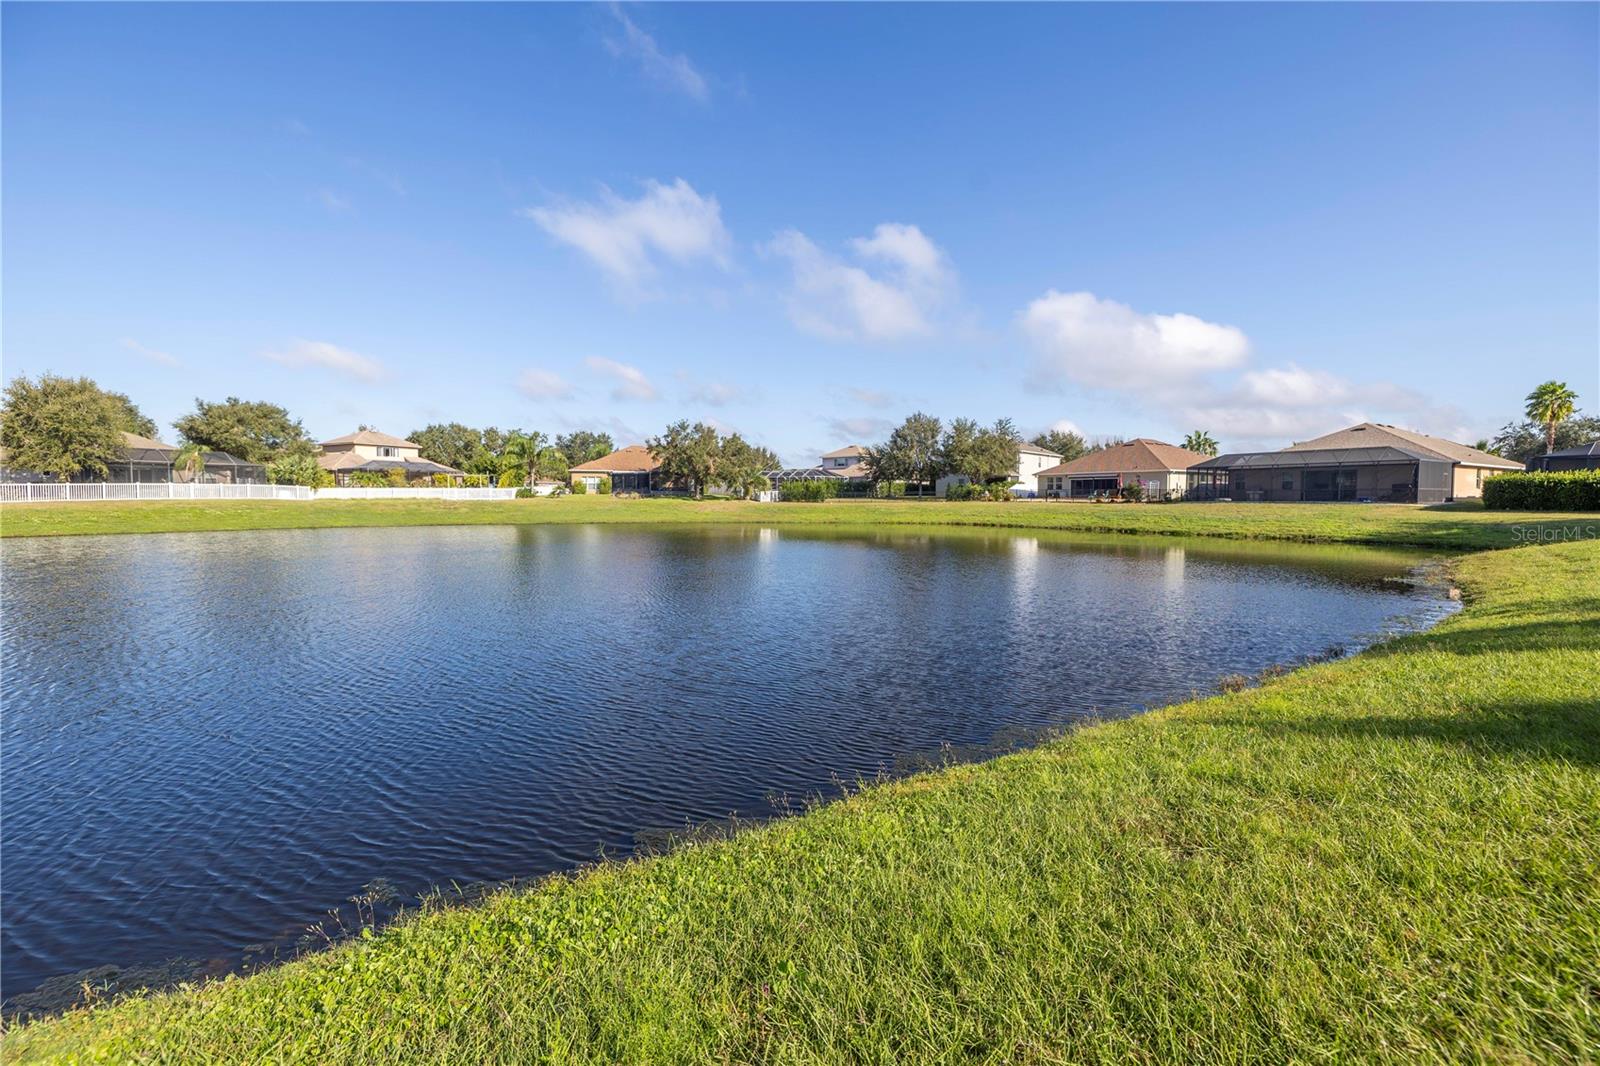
321,355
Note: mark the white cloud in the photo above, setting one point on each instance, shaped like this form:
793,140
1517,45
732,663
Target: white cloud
332,200
543,385
164,358
1104,344
871,397
625,238
671,71
715,393
840,300
857,430
631,383
1066,425
1275,405
303,354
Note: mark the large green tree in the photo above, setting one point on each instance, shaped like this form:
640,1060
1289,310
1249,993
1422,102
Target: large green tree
741,466
254,431
687,454
1064,442
450,443
582,446
1525,441
1550,405
1202,442
912,452
65,427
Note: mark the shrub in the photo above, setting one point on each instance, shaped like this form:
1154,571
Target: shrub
579,488
1570,490
524,493
397,476
885,490
1133,491
1000,491
811,490
963,490
441,481
369,479
510,479
604,487
475,481
298,470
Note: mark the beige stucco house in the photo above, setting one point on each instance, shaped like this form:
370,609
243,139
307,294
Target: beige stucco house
1366,462
1159,468
369,450
1032,460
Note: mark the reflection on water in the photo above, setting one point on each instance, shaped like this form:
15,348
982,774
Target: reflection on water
212,738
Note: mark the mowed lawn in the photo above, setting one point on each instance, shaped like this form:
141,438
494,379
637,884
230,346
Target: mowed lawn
1455,527
1392,857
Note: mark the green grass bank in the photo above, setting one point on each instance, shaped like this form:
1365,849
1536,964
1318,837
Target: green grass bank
1392,857
1452,528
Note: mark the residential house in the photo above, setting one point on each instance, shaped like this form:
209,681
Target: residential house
849,463
1032,461
369,451
1159,468
631,469
148,461
1583,457
1368,462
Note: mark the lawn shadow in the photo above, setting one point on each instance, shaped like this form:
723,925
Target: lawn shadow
1551,729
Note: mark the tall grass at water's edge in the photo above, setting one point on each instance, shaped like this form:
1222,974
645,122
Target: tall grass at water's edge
1388,857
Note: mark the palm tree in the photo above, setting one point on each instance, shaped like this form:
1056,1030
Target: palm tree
191,460
528,452
1202,442
1550,405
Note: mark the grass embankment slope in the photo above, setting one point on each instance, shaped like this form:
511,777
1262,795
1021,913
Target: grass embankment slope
1453,528
1395,856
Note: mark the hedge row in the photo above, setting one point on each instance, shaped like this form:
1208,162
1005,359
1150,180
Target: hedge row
1574,490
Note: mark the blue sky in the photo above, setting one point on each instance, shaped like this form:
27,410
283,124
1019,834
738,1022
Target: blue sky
805,222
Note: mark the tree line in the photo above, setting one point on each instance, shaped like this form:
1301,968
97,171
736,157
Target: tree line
66,427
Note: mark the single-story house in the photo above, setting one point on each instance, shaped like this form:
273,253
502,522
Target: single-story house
1583,457
1032,461
369,451
631,469
149,462
1161,469
1371,462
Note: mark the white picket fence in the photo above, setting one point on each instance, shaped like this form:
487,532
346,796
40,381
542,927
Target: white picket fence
57,492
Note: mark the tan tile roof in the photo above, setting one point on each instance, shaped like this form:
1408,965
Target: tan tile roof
372,436
341,460
1377,435
634,459
1034,449
1138,456
854,470
133,440
849,451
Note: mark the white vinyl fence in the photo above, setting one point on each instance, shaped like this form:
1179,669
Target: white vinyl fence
57,492
171,490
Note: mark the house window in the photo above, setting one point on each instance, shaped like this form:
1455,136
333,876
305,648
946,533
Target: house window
387,452
1288,483
1478,478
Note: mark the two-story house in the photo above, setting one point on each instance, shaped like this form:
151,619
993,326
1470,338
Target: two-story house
369,450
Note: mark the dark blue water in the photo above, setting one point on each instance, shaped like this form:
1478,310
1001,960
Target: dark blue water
211,739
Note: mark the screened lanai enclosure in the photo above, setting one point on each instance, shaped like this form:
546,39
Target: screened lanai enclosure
1376,475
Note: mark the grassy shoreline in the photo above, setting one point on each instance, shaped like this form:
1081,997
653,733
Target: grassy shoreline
1453,528
1388,857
